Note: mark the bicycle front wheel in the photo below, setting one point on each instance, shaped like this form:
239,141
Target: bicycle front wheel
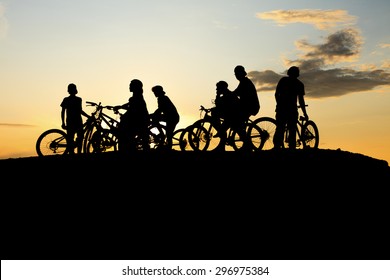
52,142
201,136
267,128
180,140
310,135
256,136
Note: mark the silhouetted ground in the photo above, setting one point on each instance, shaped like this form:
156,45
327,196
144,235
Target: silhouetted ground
317,204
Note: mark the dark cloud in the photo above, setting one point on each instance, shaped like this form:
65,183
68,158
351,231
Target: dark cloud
343,45
321,80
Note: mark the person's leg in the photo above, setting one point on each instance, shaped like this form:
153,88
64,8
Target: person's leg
292,131
71,141
279,131
79,140
217,123
239,125
144,133
170,128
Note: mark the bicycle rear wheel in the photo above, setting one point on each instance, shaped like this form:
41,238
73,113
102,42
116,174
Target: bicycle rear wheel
267,128
157,136
52,142
310,135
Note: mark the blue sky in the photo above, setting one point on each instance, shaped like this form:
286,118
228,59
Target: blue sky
342,48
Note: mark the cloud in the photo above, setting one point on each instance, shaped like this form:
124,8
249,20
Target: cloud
321,19
16,125
384,46
321,83
316,60
3,22
341,46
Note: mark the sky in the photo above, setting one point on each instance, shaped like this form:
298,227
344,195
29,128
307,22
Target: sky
342,48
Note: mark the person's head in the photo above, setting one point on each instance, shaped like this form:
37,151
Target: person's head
158,90
239,72
72,89
293,72
136,86
222,86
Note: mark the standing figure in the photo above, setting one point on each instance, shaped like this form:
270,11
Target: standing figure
289,91
71,118
133,128
167,112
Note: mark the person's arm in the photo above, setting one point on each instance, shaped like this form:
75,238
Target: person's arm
63,125
302,104
84,114
124,106
278,89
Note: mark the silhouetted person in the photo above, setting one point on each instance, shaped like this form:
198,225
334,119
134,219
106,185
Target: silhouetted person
226,108
134,123
71,117
249,100
289,91
167,112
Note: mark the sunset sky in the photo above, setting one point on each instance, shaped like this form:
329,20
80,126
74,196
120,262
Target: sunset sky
341,46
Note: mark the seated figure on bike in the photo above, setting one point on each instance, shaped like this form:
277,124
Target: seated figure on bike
167,112
289,91
226,111
249,104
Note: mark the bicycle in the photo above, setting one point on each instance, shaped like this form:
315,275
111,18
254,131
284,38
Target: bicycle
100,132
307,133
201,135
99,135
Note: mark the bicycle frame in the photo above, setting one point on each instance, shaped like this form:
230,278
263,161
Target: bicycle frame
307,134
100,130
100,134
202,134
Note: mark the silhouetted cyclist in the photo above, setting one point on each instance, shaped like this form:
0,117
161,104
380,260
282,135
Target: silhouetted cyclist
226,108
166,112
249,100
289,91
134,123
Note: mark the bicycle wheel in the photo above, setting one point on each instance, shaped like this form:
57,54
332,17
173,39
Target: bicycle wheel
184,141
201,136
233,141
310,135
102,141
157,136
52,142
267,128
179,143
256,136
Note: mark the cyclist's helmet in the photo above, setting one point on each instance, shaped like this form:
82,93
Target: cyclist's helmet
222,85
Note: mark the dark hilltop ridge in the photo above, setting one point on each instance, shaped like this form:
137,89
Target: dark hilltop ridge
303,204
322,165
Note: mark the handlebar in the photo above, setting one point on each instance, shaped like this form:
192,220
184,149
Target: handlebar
202,108
99,105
